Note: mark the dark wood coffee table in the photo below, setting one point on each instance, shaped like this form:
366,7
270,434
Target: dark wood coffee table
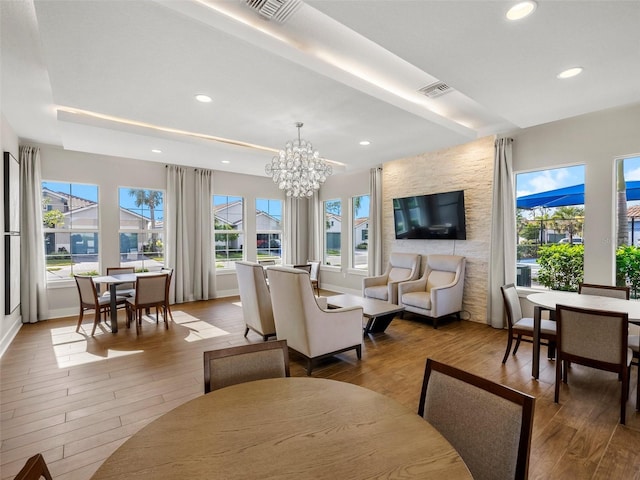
377,312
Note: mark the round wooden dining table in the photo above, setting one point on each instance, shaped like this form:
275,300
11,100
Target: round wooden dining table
288,428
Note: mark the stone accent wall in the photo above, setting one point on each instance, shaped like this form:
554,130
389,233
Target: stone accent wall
467,167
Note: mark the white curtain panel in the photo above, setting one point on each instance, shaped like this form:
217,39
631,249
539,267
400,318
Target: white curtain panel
375,222
33,284
177,248
502,263
315,231
292,250
202,259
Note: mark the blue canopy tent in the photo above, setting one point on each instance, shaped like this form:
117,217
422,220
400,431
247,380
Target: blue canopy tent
573,195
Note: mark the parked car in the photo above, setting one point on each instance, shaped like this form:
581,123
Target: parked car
574,240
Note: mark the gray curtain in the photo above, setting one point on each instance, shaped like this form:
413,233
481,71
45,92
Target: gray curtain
177,248
502,263
375,222
202,256
33,285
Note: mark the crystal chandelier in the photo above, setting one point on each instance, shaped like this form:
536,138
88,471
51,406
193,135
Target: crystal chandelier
298,169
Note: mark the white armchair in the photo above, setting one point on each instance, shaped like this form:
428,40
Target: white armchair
401,267
310,330
255,299
439,291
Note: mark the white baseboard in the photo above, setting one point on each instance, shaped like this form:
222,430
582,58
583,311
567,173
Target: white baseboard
10,335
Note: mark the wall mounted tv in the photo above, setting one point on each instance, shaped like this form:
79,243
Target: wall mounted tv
436,216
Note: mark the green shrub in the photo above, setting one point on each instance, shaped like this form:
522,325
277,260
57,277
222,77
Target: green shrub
628,268
561,266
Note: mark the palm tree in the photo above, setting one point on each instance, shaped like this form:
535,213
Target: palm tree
623,222
569,220
150,198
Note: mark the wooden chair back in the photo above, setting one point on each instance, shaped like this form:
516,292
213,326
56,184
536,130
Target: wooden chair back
597,339
604,290
245,363
34,468
488,424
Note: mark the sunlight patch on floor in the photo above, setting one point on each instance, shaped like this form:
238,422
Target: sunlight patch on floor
72,349
198,329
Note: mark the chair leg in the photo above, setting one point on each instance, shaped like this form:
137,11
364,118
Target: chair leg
638,388
246,331
515,349
80,317
506,353
359,352
309,366
551,350
556,394
623,398
96,321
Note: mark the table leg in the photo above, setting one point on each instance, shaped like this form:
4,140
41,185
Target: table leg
380,323
537,314
114,310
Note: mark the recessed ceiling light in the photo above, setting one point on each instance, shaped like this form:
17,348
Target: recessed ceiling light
155,150
364,143
201,97
570,72
225,161
521,10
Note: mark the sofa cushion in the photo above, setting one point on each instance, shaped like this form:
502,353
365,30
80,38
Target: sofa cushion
438,279
417,299
397,274
381,292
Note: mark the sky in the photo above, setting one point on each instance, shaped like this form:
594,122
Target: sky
544,180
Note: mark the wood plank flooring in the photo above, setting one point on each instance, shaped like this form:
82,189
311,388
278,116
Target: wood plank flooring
76,398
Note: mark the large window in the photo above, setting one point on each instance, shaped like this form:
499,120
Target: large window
628,224
332,232
269,229
360,232
141,229
71,234
550,223
228,226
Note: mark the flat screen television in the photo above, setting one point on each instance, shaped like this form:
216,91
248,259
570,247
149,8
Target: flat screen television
435,216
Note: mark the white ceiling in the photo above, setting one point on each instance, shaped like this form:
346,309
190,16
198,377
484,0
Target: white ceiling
349,70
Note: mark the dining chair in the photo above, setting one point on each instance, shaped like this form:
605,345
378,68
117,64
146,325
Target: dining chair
489,424
314,275
89,300
124,289
604,290
169,272
596,339
520,326
633,342
34,468
151,291
245,363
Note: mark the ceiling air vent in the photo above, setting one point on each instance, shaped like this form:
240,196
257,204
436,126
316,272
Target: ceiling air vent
435,89
278,10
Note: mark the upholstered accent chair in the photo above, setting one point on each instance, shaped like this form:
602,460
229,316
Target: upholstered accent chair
310,330
255,299
401,267
438,292
245,363
520,326
489,424
596,339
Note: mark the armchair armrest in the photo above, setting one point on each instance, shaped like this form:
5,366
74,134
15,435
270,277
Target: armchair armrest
334,329
374,281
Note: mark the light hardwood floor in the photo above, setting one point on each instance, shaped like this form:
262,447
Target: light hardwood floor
76,398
